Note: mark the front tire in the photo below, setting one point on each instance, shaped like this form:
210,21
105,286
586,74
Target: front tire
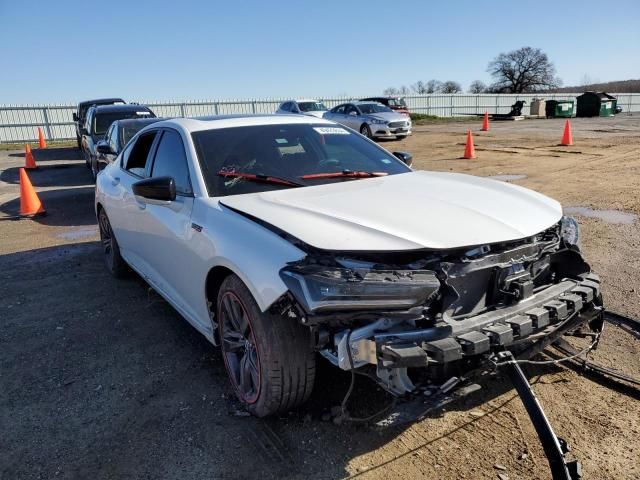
365,130
110,249
269,358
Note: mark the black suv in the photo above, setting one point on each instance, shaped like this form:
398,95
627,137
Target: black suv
97,122
80,114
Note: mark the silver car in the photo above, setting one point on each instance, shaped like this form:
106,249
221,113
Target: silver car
371,119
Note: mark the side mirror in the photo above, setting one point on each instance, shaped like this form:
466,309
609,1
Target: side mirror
105,148
405,157
156,188
75,117
355,114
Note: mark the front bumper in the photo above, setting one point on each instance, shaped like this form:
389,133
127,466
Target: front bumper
393,346
390,130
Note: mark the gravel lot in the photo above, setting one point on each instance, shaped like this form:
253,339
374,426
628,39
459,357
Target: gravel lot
102,379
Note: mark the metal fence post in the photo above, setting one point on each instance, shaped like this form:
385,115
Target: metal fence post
253,107
215,108
497,102
182,110
47,123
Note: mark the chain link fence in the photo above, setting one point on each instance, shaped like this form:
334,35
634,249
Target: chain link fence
19,123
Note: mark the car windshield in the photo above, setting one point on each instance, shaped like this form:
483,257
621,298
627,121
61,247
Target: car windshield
368,108
128,130
103,121
232,159
311,106
397,102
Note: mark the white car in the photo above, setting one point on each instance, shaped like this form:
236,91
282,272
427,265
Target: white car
371,119
303,106
283,237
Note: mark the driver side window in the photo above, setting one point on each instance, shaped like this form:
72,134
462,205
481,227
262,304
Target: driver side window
351,109
135,157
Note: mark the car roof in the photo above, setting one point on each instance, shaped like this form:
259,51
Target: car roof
128,107
99,101
196,124
138,121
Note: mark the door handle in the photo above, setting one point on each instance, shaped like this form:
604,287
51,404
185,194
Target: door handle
115,181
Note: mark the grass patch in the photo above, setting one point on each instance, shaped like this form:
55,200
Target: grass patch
420,119
34,145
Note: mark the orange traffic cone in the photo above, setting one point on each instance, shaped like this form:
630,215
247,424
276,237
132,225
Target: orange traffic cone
30,204
469,149
485,122
29,162
566,136
41,141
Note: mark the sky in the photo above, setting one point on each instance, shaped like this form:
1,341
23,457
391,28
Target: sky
66,51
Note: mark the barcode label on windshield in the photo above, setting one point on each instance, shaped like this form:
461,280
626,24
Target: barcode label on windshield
331,131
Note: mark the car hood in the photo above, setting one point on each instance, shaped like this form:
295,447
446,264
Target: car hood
414,210
389,116
316,113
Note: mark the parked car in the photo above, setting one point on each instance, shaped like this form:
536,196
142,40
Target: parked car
279,237
303,106
79,115
97,122
371,119
396,104
119,133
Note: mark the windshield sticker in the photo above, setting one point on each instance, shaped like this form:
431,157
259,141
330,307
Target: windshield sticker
331,131
143,113
281,140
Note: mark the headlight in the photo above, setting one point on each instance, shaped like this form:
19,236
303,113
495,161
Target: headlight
570,231
320,288
378,122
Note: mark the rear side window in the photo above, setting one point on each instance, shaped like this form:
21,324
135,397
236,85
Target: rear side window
171,161
135,157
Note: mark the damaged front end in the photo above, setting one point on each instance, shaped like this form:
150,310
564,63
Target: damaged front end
415,319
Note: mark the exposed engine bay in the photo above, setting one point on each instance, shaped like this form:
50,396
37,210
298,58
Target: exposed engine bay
413,319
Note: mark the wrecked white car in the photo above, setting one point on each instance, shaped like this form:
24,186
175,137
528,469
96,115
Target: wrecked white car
281,237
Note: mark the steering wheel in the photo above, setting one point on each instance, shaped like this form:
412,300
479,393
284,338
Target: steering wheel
328,162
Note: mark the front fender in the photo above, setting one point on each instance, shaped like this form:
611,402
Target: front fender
251,251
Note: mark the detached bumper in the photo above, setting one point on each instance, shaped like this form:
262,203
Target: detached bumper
535,321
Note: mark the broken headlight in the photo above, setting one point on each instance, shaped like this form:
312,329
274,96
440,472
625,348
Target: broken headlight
570,231
318,288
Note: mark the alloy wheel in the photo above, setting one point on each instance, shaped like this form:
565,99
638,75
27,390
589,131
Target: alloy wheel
239,348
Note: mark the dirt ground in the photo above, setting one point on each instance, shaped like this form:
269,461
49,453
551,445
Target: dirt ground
102,379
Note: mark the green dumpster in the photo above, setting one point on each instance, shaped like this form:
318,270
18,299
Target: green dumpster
596,104
559,108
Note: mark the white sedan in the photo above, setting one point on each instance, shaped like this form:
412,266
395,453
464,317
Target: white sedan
280,237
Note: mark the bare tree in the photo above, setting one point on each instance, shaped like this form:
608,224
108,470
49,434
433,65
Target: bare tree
404,90
434,86
451,87
524,70
419,87
477,87
390,91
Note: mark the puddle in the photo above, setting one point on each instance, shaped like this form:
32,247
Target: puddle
79,232
609,216
507,178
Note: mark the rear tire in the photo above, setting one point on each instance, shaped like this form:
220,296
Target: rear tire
365,130
269,358
110,249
